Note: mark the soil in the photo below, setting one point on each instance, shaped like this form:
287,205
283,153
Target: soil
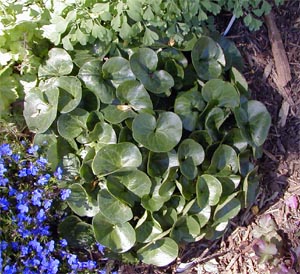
279,167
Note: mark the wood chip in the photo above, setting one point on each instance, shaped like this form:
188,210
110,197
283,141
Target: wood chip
281,61
283,113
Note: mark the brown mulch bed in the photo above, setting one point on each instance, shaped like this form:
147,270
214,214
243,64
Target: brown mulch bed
279,167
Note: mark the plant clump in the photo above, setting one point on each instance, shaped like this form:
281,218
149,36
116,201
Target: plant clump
156,145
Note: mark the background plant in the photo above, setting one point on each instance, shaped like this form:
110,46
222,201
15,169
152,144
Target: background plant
31,206
156,149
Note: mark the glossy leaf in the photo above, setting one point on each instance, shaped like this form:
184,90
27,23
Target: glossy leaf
111,208
185,230
188,106
135,181
254,121
117,69
160,253
116,157
208,58
250,187
190,155
59,63
158,163
224,161
133,94
222,93
148,231
143,64
116,114
209,190
72,124
40,108
235,139
81,203
159,135
91,74
227,209
117,237
214,120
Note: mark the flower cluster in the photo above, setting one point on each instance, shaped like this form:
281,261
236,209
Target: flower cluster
27,194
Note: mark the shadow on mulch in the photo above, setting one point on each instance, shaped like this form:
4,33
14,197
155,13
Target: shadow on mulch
279,167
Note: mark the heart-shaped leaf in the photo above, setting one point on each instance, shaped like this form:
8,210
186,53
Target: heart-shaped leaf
143,64
81,203
235,139
91,74
70,93
117,237
214,119
116,114
188,106
117,69
115,157
209,190
254,121
202,215
103,133
77,233
72,124
59,63
160,253
132,93
111,208
160,135
158,163
40,108
134,180
186,187
224,161
190,155
228,209
222,93
240,83
148,231
208,58
250,187
186,229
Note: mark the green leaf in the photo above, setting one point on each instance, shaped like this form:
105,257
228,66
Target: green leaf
117,69
224,161
72,124
214,119
116,114
148,231
188,106
59,63
160,135
116,157
254,121
190,155
250,187
111,208
240,83
235,139
160,253
70,93
201,215
149,37
158,164
81,203
143,64
91,74
207,58
40,108
209,190
133,94
117,237
77,233
227,209
186,229
135,181
222,93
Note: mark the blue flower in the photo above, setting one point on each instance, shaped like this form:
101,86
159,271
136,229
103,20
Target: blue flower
100,248
36,245
32,169
50,246
65,193
2,169
43,179
16,157
36,197
4,204
3,181
42,162
58,173
5,150
23,208
47,204
41,215
63,243
14,246
22,172
33,149
12,191
3,245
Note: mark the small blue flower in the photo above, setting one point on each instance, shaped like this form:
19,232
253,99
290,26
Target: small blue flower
2,169
22,172
33,149
100,248
3,245
23,208
14,246
42,162
41,215
58,173
47,204
43,179
16,157
4,203
12,191
65,193
36,197
36,245
50,246
24,250
32,169
3,181
63,243
5,150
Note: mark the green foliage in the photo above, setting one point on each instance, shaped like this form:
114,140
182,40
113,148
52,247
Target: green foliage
150,163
